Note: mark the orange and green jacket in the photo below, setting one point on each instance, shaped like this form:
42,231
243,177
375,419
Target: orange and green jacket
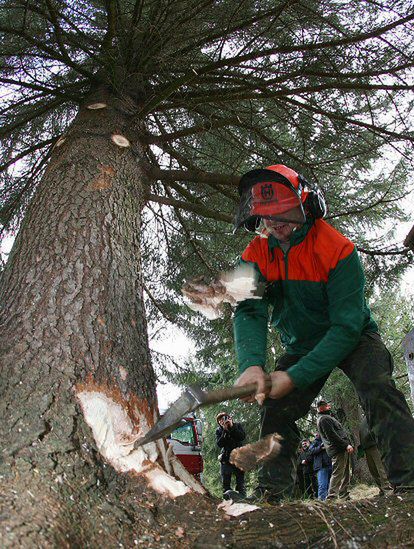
316,290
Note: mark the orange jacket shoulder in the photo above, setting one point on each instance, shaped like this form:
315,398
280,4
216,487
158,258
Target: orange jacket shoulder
270,265
329,244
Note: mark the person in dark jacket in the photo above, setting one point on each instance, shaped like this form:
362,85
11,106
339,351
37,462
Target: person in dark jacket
322,465
338,447
368,447
309,487
230,435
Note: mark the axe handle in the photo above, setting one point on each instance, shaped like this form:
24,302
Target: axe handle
231,393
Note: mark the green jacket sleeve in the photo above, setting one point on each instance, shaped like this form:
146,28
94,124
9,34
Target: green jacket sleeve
250,332
347,314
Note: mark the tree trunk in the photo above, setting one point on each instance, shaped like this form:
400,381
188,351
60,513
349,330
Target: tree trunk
72,291
74,332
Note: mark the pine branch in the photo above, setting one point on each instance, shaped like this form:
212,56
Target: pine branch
194,208
57,31
31,115
215,34
41,46
335,116
157,305
192,176
250,93
191,241
186,132
57,91
357,211
193,74
185,162
26,152
374,253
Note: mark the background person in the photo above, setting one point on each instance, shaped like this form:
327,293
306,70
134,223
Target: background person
229,435
339,448
309,486
322,465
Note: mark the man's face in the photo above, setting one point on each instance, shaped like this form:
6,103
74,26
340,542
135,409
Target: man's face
324,408
225,419
281,230
305,444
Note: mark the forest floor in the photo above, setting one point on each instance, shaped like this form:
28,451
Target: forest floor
95,516
366,521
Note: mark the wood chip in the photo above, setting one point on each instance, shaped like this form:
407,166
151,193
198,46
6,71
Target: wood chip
120,140
96,106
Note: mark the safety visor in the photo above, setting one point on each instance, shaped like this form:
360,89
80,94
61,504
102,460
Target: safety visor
274,200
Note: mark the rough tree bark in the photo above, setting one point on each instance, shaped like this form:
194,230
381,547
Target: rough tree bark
73,325
72,291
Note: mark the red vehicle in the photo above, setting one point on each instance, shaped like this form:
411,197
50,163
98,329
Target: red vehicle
186,441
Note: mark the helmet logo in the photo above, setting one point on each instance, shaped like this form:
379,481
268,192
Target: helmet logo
267,192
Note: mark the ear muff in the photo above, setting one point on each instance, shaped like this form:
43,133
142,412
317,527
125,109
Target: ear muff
252,224
315,204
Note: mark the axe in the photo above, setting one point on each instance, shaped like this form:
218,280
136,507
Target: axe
193,398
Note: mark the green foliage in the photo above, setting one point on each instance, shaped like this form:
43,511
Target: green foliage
217,87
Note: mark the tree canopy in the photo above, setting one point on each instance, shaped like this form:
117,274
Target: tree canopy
212,88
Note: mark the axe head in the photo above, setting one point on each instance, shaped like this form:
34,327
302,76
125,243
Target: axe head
189,401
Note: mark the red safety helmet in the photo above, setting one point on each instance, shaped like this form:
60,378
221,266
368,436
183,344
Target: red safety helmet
277,192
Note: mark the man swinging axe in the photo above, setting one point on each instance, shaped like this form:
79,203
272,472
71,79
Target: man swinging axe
315,299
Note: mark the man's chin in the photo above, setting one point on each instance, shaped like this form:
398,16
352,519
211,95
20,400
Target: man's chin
281,234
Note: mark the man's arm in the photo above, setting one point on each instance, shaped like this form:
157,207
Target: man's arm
308,457
250,332
250,324
221,437
315,449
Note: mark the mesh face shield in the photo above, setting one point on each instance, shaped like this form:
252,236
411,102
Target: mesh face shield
274,198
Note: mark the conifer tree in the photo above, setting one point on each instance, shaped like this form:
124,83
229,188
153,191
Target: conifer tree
117,110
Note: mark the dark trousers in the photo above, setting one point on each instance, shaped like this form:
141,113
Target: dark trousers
376,468
307,482
369,367
227,471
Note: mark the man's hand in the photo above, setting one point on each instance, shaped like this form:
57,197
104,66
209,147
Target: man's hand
253,374
281,384
350,449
